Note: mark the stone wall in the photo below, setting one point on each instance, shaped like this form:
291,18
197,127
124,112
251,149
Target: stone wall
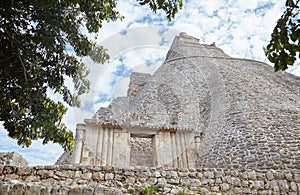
251,118
12,159
111,180
137,82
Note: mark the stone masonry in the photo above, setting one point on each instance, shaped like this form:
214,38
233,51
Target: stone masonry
12,159
201,108
203,123
141,153
113,180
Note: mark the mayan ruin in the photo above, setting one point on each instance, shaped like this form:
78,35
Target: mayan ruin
203,123
201,108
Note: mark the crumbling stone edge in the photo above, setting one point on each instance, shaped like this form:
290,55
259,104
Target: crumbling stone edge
70,179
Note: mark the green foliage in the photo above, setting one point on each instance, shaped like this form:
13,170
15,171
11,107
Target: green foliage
37,38
151,190
146,190
199,191
285,39
171,7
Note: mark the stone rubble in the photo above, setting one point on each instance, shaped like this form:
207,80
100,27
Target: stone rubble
12,159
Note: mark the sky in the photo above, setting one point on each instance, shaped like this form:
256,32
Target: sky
140,41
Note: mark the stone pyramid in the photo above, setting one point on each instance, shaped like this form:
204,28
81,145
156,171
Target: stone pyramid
201,108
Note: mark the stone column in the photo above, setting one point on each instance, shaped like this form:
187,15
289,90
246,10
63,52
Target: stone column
121,149
104,147
110,145
79,139
174,154
168,149
99,147
156,143
183,149
162,149
190,149
178,150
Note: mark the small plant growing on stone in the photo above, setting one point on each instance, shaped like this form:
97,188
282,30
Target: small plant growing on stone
150,190
126,185
147,190
199,191
130,191
182,193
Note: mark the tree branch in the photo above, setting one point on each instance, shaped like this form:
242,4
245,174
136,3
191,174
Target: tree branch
24,68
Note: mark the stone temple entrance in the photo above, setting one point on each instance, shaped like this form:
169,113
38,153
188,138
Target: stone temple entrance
112,145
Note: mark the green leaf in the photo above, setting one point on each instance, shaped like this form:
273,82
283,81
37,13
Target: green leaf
284,44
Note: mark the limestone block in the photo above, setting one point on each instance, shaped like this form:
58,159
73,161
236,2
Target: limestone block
104,147
163,150
79,138
283,186
109,176
86,176
12,159
121,149
98,176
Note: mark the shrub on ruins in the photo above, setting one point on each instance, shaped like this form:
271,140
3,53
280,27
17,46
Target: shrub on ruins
41,45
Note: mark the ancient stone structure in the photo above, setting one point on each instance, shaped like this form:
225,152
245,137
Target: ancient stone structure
12,159
203,123
201,108
97,180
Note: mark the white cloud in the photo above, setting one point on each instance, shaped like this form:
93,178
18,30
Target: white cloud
189,28
120,89
241,4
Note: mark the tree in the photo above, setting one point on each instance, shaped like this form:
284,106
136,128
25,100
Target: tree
34,37
284,46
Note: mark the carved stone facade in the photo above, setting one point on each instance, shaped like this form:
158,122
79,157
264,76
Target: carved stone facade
111,145
201,108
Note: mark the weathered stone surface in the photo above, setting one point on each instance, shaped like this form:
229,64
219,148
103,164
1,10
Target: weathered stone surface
211,123
32,190
269,175
208,174
259,185
283,185
225,187
130,180
12,158
75,191
293,186
238,112
86,176
141,152
87,191
297,178
109,176
65,158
